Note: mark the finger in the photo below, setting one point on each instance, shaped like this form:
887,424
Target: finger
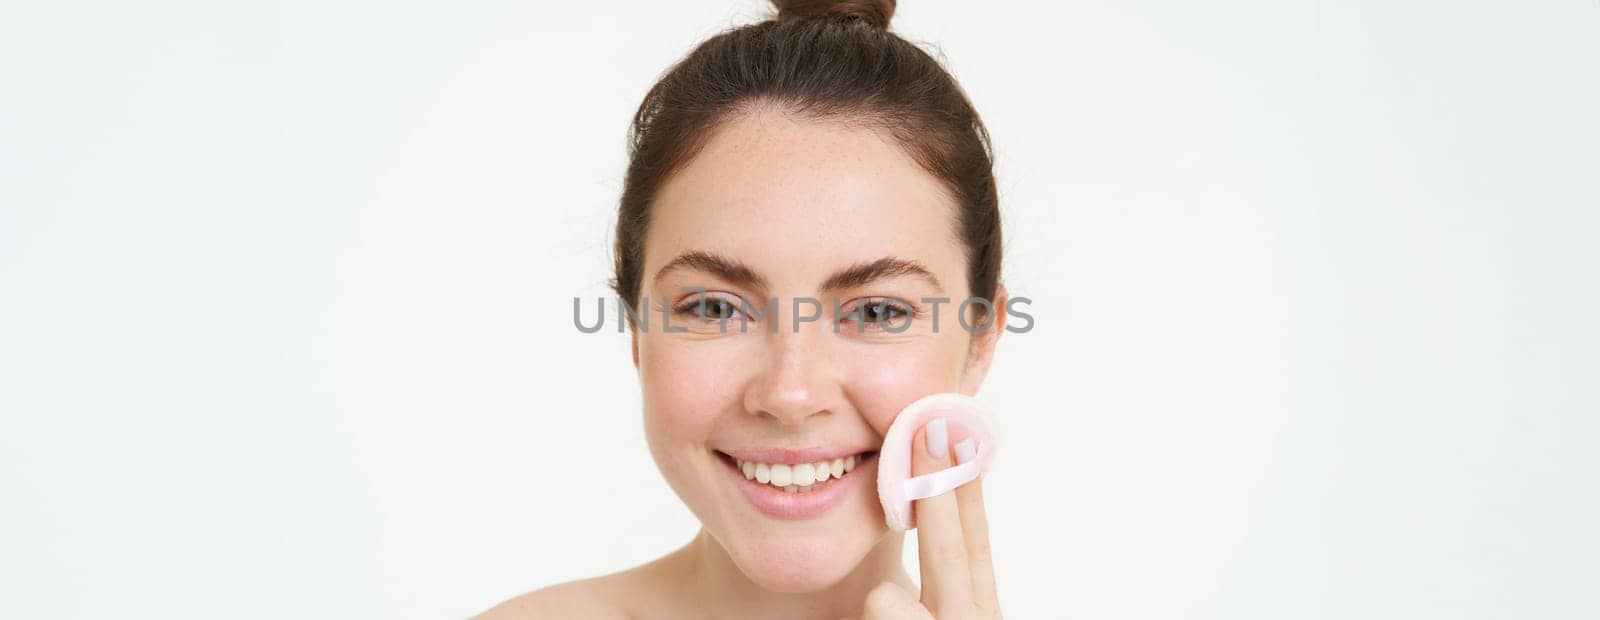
946,584
891,602
975,532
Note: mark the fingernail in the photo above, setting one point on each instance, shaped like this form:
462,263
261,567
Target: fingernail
965,451
938,438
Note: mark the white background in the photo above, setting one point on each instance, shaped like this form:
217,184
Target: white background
285,304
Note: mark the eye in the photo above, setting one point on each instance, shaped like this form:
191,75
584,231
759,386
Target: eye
881,311
709,308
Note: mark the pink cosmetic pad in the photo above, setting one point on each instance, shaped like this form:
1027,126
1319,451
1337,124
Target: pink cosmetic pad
896,488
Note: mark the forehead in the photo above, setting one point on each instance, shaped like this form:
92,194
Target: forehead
794,197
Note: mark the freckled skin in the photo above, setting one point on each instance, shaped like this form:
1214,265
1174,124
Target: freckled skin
795,199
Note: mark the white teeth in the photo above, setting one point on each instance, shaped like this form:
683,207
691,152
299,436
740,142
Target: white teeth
804,474
782,475
799,477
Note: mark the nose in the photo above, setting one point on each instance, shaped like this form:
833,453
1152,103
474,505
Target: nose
798,378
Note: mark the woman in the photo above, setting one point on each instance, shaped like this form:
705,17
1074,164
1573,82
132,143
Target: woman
816,157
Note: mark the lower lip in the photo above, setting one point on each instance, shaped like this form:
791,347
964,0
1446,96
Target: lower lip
775,502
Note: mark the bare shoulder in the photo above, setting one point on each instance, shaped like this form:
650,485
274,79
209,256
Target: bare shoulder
639,592
587,598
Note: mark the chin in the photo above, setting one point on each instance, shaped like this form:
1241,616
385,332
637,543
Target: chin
795,562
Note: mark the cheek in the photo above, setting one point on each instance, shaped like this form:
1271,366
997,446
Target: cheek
685,388
888,378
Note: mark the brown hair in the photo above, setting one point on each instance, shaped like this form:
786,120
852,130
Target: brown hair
826,60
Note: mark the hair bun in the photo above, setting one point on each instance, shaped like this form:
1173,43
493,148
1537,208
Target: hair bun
873,12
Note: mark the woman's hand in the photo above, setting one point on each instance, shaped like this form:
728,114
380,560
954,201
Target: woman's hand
952,540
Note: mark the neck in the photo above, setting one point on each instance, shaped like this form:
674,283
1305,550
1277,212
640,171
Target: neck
721,590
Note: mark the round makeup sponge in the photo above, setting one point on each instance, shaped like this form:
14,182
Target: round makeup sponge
896,487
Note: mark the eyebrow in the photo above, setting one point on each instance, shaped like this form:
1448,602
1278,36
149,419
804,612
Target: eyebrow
740,274
887,267
718,265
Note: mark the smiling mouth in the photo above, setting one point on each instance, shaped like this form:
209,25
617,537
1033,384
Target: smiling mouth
797,477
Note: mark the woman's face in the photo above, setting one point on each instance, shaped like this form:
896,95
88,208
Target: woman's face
775,208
